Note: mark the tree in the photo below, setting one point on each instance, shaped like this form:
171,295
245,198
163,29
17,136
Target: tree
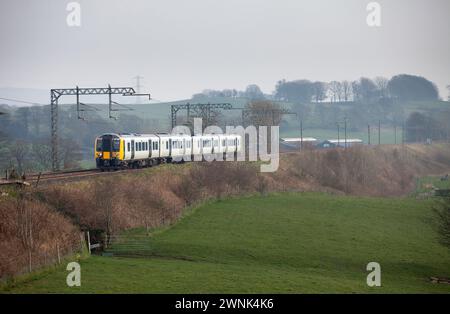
319,91
346,90
335,91
448,87
18,152
70,153
364,90
41,153
443,219
382,86
263,113
420,127
410,87
295,91
254,92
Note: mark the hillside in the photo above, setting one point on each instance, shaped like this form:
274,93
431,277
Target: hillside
285,243
157,197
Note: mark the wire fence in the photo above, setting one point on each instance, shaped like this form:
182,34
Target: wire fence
129,245
22,260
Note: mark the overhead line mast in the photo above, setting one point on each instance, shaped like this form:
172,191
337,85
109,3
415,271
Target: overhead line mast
55,94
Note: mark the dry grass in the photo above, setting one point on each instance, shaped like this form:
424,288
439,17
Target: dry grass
157,198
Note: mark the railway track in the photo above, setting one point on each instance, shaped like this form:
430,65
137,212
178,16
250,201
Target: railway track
46,177
61,176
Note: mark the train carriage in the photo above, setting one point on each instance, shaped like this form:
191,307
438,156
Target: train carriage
129,150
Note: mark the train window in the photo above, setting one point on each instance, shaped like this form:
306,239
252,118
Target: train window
98,144
167,145
128,146
116,145
156,145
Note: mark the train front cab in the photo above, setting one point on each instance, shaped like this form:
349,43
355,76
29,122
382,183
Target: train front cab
109,151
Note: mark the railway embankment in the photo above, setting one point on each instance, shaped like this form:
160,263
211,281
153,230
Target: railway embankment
40,225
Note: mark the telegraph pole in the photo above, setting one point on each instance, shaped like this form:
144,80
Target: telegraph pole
403,133
345,132
339,133
379,132
368,134
395,134
301,134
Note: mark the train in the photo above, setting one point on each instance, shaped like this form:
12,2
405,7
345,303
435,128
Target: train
130,150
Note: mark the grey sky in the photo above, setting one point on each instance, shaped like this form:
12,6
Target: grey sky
184,46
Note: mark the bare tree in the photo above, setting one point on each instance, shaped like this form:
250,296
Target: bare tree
104,201
346,90
40,155
18,152
382,85
70,153
335,91
25,224
263,113
319,91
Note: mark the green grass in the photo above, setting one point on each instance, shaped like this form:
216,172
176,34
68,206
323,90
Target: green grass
284,243
426,184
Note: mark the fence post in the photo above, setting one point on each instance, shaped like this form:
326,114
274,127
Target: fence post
81,242
57,251
106,241
29,260
89,242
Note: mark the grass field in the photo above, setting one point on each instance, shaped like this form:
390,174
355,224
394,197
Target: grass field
283,243
426,184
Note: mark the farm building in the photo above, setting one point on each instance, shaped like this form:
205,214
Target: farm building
340,143
295,142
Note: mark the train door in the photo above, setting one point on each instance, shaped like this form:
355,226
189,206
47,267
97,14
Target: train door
170,147
132,149
150,148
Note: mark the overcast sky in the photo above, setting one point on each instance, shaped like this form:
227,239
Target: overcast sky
181,47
